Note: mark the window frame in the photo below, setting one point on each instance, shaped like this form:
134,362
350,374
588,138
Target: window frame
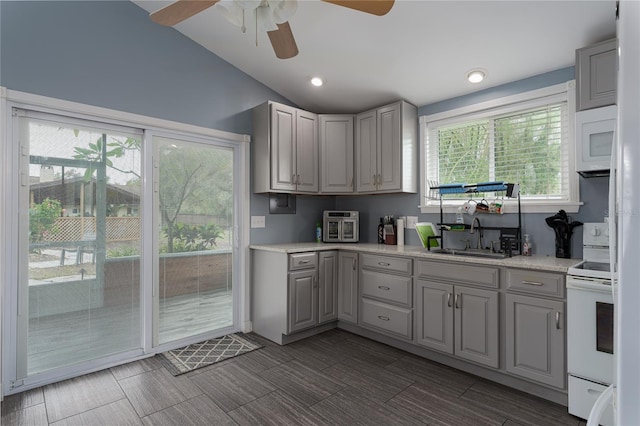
563,92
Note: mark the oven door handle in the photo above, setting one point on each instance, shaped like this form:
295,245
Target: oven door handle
601,286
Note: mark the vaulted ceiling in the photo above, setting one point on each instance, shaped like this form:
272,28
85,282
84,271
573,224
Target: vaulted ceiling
420,51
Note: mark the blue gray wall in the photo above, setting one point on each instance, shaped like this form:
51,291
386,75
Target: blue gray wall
111,55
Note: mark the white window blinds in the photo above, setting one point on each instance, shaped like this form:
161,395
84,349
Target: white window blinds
526,145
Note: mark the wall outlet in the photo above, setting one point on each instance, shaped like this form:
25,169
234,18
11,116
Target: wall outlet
257,221
411,222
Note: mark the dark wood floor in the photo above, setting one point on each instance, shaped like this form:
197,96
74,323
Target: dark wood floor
334,378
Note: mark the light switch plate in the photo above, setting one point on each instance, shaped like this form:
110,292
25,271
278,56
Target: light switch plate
257,221
411,222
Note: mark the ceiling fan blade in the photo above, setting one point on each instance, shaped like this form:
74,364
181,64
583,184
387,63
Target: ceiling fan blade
283,42
374,7
179,11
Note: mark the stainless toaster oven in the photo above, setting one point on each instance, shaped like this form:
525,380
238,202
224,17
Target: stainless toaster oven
340,226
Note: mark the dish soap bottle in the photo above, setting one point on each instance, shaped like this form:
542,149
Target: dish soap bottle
526,246
459,216
318,233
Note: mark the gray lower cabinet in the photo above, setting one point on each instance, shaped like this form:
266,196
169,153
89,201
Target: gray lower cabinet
327,286
535,339
386,295
458,320
348,286
292,292
303,300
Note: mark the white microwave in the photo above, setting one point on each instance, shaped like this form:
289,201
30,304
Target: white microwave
594,140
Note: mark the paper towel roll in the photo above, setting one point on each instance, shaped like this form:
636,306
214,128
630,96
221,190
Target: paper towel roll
400,232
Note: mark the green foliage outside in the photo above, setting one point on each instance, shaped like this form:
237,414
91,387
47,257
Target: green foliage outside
193,180
525,148
192,238
42,219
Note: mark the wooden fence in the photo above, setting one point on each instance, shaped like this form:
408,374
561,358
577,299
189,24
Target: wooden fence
77,228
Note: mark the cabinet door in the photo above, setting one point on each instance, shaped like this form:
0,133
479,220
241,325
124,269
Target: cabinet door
306,151
535,339
348,287
303,300
283,140
336,153
596,71
366,152
434,315
328,286
476,325
389,162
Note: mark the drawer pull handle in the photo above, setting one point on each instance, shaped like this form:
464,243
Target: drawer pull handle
383,318
384,287
384,264
532,283
557,320
449,300
593,391
302,262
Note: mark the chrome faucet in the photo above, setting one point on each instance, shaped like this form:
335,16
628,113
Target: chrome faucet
472,230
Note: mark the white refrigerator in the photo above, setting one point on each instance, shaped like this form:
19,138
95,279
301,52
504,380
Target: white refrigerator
626,197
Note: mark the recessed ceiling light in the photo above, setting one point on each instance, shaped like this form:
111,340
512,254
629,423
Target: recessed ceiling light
476,76
317,81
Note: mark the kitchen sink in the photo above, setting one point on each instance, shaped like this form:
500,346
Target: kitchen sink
471,253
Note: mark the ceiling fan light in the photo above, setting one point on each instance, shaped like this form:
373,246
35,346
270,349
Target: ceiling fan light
283,10
317,81
265,19
249,4
476,76
231,10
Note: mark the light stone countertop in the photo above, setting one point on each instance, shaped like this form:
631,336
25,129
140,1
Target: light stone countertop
541,263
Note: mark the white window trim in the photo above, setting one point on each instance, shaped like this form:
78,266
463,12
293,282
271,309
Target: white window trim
563,91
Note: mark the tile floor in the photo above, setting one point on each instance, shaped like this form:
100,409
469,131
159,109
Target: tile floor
335,378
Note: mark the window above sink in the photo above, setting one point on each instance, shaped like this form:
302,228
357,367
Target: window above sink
526,138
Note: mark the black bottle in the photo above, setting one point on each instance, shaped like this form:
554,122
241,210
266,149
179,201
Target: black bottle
381,232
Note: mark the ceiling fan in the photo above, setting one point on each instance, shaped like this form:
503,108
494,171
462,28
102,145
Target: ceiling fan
273,16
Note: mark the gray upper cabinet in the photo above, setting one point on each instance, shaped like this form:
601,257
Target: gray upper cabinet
386,149
285,149
596,72
327,286
336,154
348,286
535,347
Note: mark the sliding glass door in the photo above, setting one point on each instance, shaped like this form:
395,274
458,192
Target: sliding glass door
195,218
79,285
126,244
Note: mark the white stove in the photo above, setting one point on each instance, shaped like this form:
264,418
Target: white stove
590,324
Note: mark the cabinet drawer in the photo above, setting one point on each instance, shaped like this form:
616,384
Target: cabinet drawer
386,263
387,287
302,261
394,320
535,282
484,276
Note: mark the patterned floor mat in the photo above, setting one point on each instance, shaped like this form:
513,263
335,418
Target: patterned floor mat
198,355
